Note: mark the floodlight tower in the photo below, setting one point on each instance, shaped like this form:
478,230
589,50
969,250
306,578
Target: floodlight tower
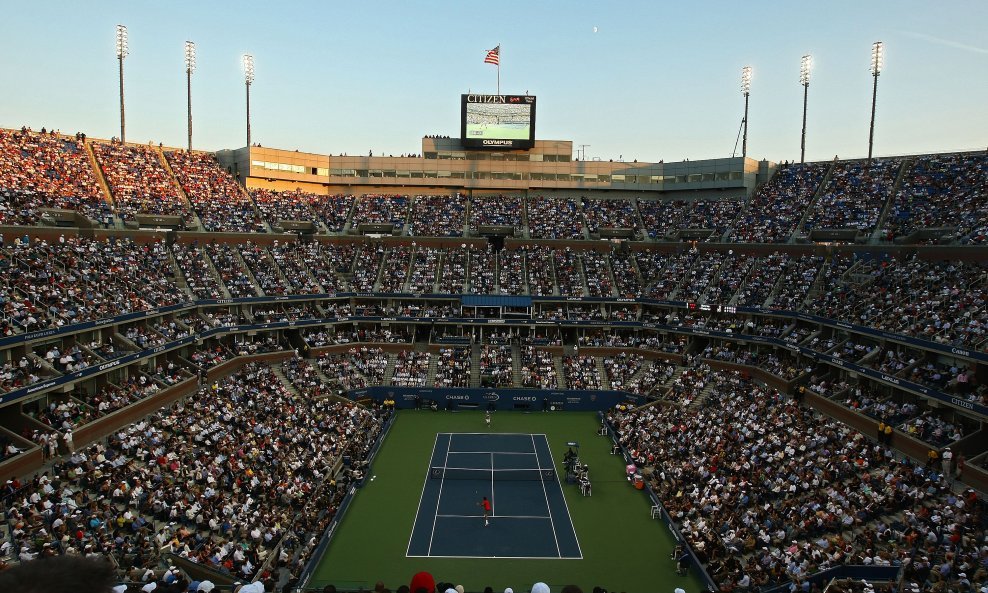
745,90
877,61
248,61
121,54
190,66
805,65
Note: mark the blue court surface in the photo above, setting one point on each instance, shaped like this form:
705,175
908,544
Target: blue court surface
529,517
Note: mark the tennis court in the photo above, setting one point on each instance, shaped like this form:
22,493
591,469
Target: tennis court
515,471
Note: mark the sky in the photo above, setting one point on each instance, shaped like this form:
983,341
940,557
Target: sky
645,80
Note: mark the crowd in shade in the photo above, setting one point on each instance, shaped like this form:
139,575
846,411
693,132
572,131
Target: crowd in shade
943,191
766,491
333,211
619,214
381,209
438,216
249,508
496,211
774,211
554,218
853,195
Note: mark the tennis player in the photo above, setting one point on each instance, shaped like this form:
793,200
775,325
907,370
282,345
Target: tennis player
487,418
486,506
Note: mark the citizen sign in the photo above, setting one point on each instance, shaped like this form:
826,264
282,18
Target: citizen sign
962,403
486,99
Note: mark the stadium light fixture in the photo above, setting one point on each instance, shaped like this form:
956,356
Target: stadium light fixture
805,66
746,91
122,51
190,66
248,62
877,62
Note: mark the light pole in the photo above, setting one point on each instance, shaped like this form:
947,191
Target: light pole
190,66
805,65
121,54
248,79
877,60
745,90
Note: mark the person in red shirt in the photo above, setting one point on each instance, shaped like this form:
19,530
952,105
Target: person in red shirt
486,506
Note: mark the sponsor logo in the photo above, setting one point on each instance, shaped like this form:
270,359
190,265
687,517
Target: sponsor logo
41,386
491,397
495,321
529,99
498,142
962,403
458,397
891,380
158,349
961,352
109,365
524,398
487,99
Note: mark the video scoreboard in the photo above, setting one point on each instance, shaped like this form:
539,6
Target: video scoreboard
497,121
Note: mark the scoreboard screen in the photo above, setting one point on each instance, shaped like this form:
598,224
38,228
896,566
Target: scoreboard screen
497,121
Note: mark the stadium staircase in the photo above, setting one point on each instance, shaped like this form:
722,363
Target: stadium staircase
583,274
585,232
605,380
278,372
98,173
430,376
809,206
254,284
475,365
877,233
389,370
214,273
278,271
516,378
560,372
609,269
640,373
196,223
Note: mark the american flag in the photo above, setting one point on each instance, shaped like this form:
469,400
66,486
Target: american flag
493,56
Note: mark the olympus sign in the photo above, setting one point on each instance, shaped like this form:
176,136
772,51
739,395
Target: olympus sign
498,142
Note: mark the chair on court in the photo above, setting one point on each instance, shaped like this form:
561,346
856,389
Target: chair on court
656,511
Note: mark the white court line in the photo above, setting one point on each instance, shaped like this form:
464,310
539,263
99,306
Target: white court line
499,516
438,498
495,452
566,504
492,485
507,557
548,507
426,482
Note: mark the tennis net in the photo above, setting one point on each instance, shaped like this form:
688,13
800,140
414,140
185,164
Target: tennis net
469,473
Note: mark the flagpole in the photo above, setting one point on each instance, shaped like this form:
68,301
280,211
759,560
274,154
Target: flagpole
499,68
